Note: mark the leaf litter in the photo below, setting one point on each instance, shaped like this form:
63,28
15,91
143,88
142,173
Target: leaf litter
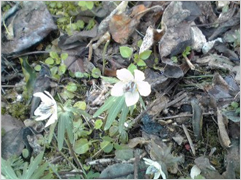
190,124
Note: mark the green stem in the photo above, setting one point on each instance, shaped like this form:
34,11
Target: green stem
74,156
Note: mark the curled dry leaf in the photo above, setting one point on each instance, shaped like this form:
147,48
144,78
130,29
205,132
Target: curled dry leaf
225,141
121,26
136,141
152,36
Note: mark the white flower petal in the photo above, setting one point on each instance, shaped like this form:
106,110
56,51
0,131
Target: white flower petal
43,117
52,119
157,175
118,89
148,161
131,98
124,75
195,171
144,88
139,75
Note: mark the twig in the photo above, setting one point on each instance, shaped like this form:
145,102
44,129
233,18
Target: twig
182,115
192,67
74,156
189,139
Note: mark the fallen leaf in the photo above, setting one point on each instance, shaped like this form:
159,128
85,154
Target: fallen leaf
222,130
152,36
121,26
136,141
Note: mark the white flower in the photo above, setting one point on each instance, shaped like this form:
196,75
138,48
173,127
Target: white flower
154,168
131,86
195,171
47,108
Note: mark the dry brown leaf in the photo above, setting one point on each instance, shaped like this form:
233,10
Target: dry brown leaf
225,141
135,141
121,26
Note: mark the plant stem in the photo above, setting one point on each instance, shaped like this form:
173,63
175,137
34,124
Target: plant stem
74,156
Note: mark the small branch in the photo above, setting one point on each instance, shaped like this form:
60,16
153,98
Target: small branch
192,67
183,115
74,156
189,139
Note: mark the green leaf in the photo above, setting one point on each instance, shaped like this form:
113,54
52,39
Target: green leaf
59,5
108,103
51,132
54,55
49,61
82,3
131,68
29,75
89,4
62,69
72,87
145,55
80,105
234,104
40,172
69,127
98,124
123,118
81,146
124,154
125,51
25,153
139,43
110,80
54,70
61,130
7,170
91,24
174,59
79,74
113,111
34,163
141,63
37,67
124,137
106,146
80,24
96,72
113,131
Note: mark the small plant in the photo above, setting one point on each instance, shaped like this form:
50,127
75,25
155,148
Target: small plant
36,169
125,94
139,59
56,63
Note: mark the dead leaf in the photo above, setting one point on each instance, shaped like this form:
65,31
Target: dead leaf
225,141
152,36
31,24
121,26
136,141
178,139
